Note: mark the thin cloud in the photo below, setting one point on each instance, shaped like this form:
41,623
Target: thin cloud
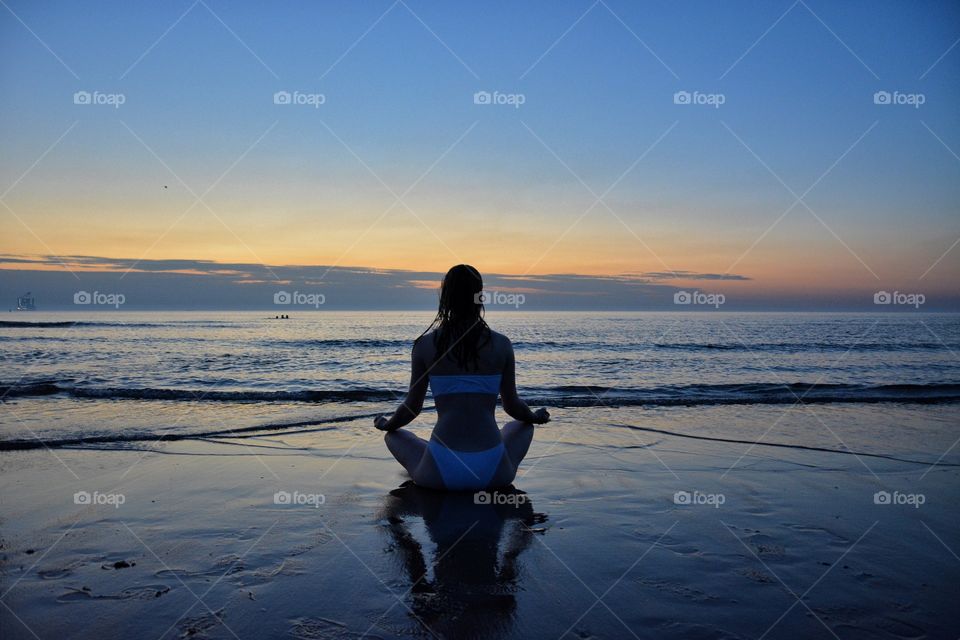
690,275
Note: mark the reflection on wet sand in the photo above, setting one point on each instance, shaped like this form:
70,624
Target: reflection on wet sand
468,589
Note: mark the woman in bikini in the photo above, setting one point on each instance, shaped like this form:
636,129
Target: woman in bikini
467,365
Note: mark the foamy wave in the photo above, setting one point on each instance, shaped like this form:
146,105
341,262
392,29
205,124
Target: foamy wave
560,396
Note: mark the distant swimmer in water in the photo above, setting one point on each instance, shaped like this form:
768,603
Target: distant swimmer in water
467,365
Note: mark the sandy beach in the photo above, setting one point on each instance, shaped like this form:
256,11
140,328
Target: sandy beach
189,539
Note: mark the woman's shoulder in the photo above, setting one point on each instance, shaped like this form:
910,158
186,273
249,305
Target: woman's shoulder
425,341
497,339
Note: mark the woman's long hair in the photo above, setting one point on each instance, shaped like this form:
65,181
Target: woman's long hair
460,328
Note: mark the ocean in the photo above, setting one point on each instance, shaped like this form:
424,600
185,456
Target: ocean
130,379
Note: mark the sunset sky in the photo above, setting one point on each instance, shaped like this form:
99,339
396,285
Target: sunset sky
798,186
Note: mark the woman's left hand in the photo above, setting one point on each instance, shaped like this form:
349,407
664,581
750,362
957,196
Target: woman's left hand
380,422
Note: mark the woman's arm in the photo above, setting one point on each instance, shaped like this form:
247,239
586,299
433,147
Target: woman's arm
512,404
413,402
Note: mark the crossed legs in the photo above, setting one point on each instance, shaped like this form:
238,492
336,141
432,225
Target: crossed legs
411,451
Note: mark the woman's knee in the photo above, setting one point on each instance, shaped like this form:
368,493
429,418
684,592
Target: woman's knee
517,431
396,441
517,437
406,447
515,428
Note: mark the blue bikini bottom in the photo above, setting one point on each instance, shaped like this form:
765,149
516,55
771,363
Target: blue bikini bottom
466,470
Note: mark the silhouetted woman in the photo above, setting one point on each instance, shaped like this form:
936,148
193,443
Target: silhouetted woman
467,365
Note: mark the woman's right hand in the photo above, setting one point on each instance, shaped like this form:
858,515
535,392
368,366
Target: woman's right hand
541,416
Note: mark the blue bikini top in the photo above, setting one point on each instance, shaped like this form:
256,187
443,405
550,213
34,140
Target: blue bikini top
443,385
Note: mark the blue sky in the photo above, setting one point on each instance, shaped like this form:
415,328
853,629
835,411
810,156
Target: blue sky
508,186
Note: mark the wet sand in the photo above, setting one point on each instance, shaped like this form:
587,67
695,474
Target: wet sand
190,540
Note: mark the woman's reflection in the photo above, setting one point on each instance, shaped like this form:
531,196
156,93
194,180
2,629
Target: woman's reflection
470,590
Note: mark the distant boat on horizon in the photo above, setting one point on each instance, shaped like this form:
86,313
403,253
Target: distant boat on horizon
26,302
